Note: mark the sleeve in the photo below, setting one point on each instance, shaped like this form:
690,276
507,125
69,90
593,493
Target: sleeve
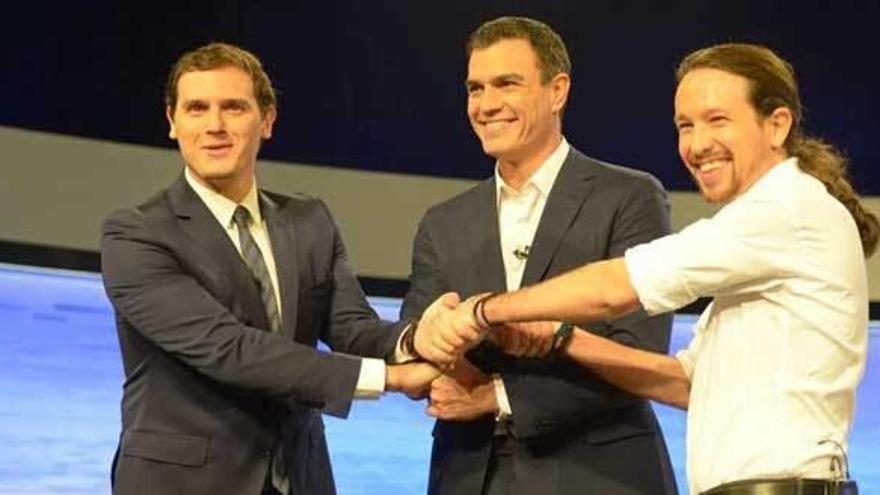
426,281
353,327
550,398
371,380
743,249
168,306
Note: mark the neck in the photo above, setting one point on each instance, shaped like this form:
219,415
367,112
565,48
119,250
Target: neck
773,160
233,189
516,172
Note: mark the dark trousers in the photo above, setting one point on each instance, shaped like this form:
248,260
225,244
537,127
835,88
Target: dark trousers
500,478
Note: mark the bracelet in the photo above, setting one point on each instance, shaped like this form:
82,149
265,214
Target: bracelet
561,337
480,311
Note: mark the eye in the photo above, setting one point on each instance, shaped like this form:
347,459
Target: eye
718,119
195,107
507,84
474,89
683,127
235,106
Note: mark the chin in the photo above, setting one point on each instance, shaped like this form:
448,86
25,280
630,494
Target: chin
715,197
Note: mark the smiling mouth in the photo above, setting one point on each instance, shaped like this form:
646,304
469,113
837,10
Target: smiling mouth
708,166
496,126
217,149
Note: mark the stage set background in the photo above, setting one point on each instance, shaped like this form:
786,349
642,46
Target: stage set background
371,119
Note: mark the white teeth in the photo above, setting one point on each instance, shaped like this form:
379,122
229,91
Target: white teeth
710,166
495,126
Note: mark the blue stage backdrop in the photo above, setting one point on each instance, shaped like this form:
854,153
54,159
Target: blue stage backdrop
61,377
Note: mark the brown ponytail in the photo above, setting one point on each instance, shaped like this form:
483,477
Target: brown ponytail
824,162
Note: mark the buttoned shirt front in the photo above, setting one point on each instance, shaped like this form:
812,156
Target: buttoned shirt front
519,213
776,358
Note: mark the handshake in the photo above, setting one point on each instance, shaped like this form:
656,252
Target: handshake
449,328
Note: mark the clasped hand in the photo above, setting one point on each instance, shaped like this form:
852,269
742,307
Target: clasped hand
448,329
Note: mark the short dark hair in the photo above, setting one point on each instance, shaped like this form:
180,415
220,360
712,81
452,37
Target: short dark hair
218,55
550,49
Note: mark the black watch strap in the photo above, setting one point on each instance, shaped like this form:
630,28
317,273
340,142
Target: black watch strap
561,337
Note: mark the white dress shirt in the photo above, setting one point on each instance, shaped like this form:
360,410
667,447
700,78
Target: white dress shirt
519,213
371,380
777,356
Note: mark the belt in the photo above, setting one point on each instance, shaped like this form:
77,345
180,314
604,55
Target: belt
791,486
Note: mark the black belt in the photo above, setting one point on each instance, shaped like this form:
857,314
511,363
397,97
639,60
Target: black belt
791,486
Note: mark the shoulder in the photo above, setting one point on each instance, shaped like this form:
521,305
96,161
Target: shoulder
613,175
137,218
464,204
297,204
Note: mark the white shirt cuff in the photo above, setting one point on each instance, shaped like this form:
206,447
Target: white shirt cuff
504,410
371,381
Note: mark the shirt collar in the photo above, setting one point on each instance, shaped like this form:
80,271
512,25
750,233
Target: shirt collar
543,178
773,175
222,207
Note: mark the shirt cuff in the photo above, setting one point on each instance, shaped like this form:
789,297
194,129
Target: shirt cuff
686,359
400,354
504,410
371,380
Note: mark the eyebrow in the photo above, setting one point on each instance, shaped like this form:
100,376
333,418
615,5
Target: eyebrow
193,101
223,102
512,76
243,102
706,112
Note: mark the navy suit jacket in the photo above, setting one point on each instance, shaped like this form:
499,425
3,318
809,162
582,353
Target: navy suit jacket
575,433
208,393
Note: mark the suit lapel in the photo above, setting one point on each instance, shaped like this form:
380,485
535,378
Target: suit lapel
569,191
282,235
489,270
207,236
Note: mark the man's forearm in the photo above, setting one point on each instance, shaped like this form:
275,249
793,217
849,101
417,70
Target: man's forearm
595,292
645,374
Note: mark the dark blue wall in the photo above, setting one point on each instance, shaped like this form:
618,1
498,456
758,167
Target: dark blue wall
378,84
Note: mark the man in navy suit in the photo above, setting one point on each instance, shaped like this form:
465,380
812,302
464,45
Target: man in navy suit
523,426
221,292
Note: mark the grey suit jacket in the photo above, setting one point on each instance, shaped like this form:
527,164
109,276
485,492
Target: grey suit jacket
208,392
574,432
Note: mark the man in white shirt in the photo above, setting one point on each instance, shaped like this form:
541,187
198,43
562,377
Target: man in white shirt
769,379
536,427
221,292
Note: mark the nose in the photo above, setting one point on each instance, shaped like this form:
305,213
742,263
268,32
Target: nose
490,101
215,121
700,141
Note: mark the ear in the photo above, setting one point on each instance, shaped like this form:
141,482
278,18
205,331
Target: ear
172,130
779,125
269,117
559,86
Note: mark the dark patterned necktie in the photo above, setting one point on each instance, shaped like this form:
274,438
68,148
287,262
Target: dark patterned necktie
253,258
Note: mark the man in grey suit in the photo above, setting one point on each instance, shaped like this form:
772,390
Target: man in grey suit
528,426
221,292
